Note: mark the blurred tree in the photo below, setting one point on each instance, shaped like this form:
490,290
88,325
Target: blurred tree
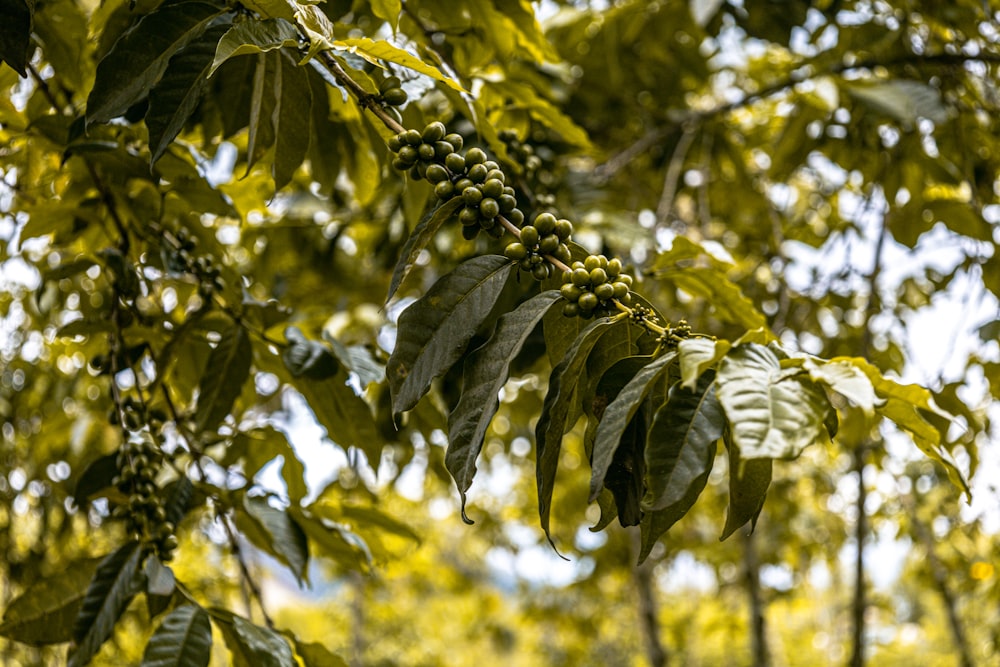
656,245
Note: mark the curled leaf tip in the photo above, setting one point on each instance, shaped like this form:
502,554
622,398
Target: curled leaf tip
465,517
554,548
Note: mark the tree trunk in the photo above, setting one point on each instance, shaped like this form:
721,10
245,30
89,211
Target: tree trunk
648,620
860,531
758,624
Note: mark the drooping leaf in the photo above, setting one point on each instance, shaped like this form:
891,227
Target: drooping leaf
314,654
377,51
907,405
138,59
485,372
372,517
176,95
15,33
184,639
44,613
117,580
261,134
254,646
617,416
552,422
179,495
291,119
346,416
307,358
419,238
387,10
697,355
251,36
748,483
95,478
333,540
724,296
773,413
227,369
274,532
680,446
847,380
433,332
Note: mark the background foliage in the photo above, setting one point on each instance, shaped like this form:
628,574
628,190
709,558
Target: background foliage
201,224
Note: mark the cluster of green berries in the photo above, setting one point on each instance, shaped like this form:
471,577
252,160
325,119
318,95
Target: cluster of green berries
519,151
545,236
391,90
589,287
139,461
435,155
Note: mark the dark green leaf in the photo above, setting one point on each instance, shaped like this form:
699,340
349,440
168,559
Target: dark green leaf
307,358
657,522
179,496
485,372
141,55
254,37
345,415
371,517
227,369
15,33
333,540
176,95
680,446
274,532
773,412
748,482
44,613
433,332
419,238
552,423
95,478
184,639
317,655
254,646
263,103
291,119
617,416
116,582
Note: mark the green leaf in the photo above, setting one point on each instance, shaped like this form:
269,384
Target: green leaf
617,416
333,540
274,532
44,613
227,369
387,10
175,97
698,355
748,483
15,33
906,405
254,36
847,380
179,496
722,294
261,134
484,374
552,423
255,646
317,655
773,413
117,580
345,415
138,59
95,478
433,332
377,51
291,119
372,517
160,578
902,99
419,238
184,639
308,358
657,522
681,443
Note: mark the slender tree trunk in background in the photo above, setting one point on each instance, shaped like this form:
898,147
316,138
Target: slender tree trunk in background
860,531
358,621
648,621
758,624
939,573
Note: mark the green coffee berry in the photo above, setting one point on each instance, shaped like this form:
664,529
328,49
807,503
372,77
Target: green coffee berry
571,310
489,208
389,83
581,277
620,289
598,276
516,251
563,229
525,263
563,254
475,156
614,267
412,137
462,184
434,132
592,262
477,172
587,301
507,203
455,140
469,216
469,232
394,143
625,278
395,96
408,154
491,165
604,291
444,190
497,175
472,195
529,236
442,149
435,173
493,188
548,244
570,291
546,223
455,162
507,190
516,216
540,271
426,152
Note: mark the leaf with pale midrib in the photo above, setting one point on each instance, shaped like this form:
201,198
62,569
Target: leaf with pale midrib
485,373
44,613
419,238
227,369
184,639
748,483
433,332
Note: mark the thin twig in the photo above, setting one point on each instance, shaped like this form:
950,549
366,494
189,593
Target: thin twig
671,180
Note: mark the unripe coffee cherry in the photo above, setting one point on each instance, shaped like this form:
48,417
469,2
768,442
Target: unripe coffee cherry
529,236
489,208
516,216
444,190
587,301
462,184
598,276
426,152
476,156
546,223
563,229
540,271
395,96
412,137
477,172
389,83
614,267
507,203
581,277
455,162
472,195
435,173
548,244
516,251
493,188
433,132
455,140
469,216
604,291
